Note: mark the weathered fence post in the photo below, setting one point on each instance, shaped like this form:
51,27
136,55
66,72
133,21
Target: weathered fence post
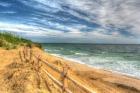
38,68
31,54
24,53
20,56
64,78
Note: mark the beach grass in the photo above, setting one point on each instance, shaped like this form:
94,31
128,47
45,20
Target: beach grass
12,41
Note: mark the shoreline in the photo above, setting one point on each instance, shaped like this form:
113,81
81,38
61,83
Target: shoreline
90,66
109,79
99,80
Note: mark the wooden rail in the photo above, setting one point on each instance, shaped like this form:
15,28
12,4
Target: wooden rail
26,56
87,89
56,81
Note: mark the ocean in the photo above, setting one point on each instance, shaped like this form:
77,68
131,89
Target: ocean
118,58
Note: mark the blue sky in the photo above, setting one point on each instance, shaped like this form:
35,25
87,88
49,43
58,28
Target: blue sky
73,21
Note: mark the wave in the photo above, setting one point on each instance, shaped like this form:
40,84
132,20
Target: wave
116,65
119,58
81,54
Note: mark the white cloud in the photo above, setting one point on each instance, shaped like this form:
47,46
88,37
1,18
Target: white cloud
116,13
4,4
119,13
99,35
7,12
46,5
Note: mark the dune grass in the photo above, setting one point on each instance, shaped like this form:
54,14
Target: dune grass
12,41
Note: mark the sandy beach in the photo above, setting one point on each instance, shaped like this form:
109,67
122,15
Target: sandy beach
97,80
69,46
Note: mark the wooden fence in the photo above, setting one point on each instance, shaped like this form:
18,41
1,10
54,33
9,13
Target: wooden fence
27,54
65,76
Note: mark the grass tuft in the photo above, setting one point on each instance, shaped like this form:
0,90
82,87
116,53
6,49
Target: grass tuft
12,41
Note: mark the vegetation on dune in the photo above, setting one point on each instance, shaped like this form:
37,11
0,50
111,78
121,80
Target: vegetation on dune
11,41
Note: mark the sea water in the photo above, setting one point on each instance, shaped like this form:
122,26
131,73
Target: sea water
121,58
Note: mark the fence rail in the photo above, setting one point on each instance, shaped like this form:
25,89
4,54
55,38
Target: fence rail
87,89
56,81
28,56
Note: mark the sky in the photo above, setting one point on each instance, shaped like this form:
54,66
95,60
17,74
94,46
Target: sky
72,21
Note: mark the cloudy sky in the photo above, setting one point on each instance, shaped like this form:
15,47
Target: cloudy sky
73,21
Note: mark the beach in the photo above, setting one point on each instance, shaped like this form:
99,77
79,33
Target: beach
117,58
69,46
102,80
97,80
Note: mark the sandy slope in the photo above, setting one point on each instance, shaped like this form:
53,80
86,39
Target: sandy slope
18,77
